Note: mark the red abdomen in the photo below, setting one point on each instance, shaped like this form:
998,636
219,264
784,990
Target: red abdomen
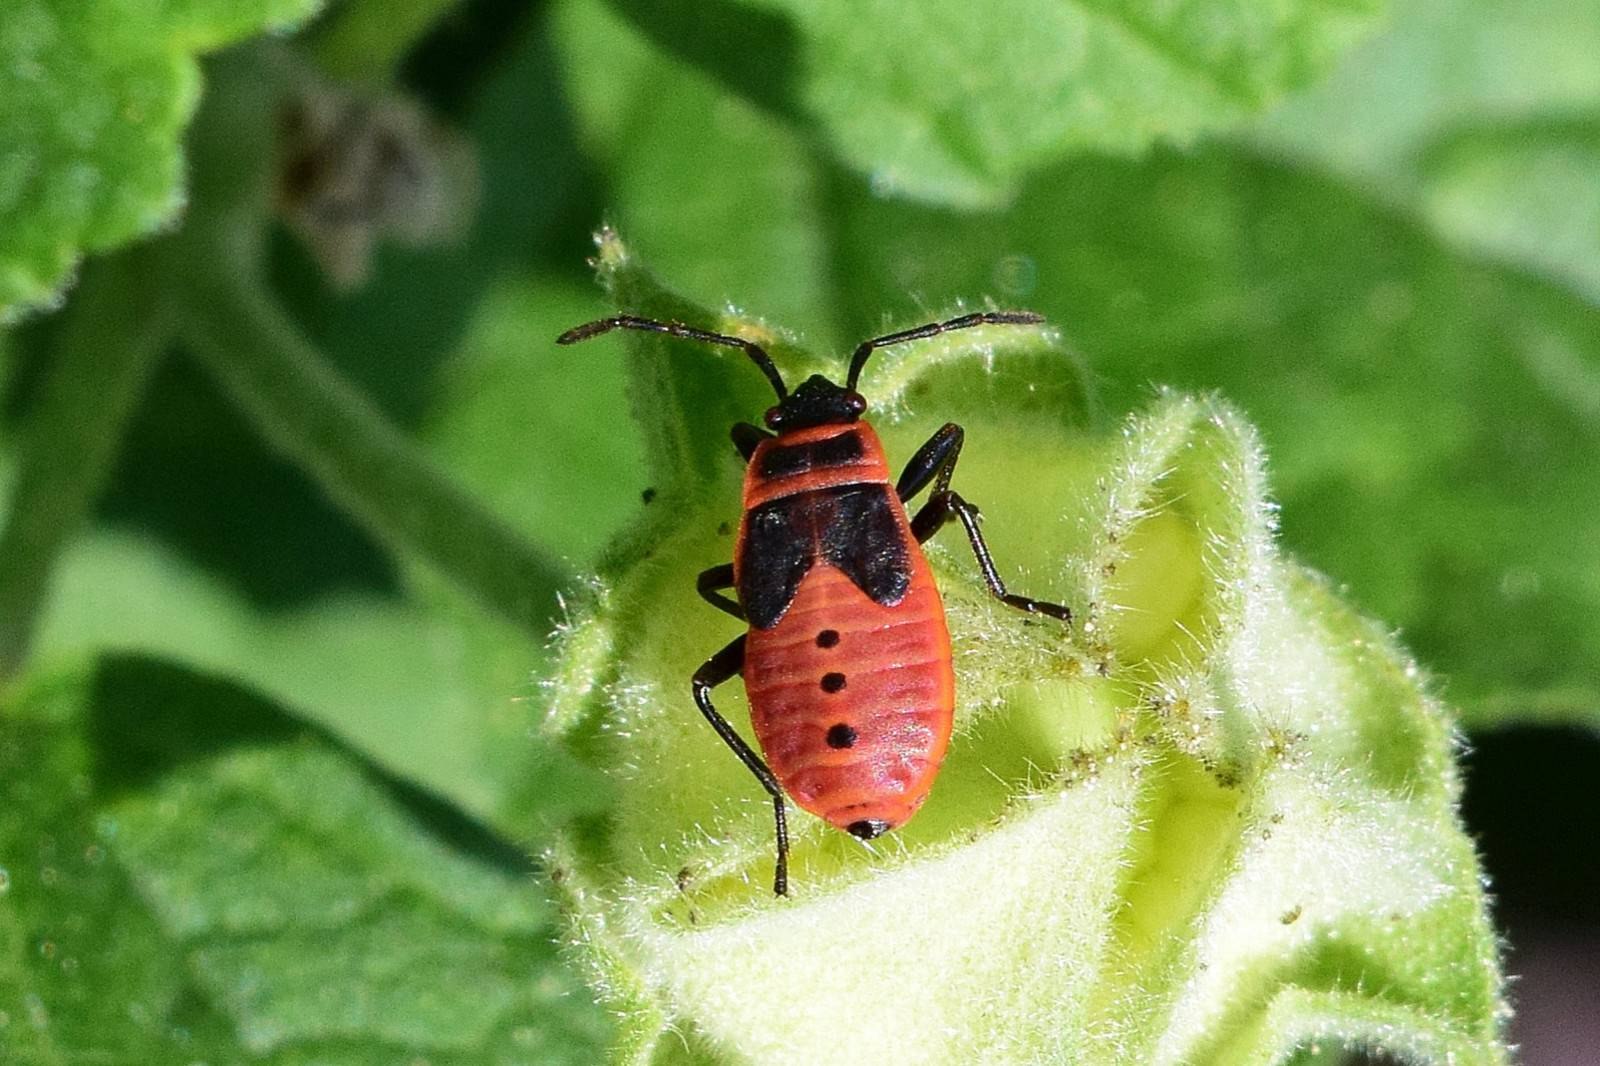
851,699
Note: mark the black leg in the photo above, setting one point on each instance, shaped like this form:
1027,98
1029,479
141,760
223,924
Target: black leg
946,505
722,666
935,461
710,584
747,437
858,359
937,457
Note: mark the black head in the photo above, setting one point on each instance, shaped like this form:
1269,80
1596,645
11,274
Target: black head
817,402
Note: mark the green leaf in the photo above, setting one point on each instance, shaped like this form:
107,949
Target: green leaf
956,102
296,398
1523,192
192,877
1213,821
367,41
513,418
1481,118
97,96
720,197
422,684
426,688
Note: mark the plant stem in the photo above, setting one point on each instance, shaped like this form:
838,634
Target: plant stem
108,343
320,422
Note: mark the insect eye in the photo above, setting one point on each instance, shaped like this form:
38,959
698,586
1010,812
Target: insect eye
856,402
773,416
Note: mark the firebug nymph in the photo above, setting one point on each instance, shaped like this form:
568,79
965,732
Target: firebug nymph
847,659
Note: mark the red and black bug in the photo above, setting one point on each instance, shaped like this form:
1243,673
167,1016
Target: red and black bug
847,659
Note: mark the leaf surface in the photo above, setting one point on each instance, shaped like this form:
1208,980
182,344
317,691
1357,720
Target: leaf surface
97,96
424,687
1481,118
244,889
955,103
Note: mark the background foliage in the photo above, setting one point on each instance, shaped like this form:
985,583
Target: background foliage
280,558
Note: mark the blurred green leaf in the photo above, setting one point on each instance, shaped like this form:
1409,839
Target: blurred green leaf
367,41
191,877
97,96
426,685
956,102
721,198
432,691
514,418
290,391
1483,118
1526,193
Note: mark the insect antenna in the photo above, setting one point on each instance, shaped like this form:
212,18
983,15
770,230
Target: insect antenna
757,354
980,318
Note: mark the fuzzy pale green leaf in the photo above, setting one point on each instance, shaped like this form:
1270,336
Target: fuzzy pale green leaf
1214,821
97,96
956,102
245,891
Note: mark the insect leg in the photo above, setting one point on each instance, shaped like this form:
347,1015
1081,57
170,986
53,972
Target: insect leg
936,457
946,505
936,461
747,437
858,358
710,584
722,666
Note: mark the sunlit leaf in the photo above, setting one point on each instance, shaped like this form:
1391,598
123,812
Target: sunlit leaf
514,419
245,890
97,96
956,102
717,194
1481,117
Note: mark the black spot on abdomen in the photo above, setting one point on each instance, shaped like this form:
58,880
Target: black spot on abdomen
841,736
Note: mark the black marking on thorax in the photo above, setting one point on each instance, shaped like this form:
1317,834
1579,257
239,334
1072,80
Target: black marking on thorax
852,527
786,460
